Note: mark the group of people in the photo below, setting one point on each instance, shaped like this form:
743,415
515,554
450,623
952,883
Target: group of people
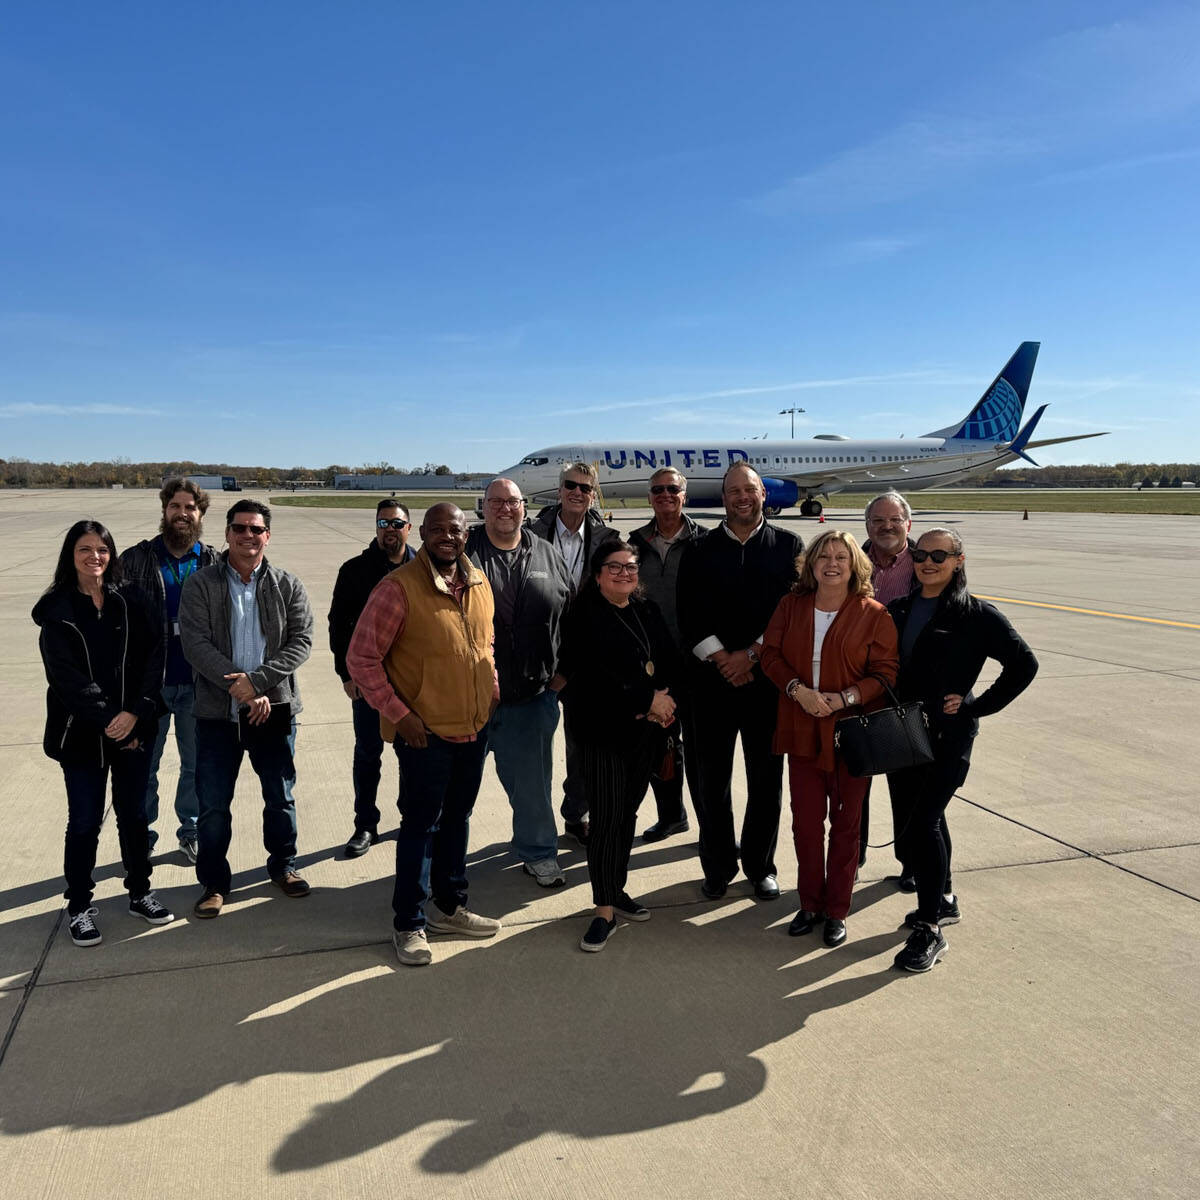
659,652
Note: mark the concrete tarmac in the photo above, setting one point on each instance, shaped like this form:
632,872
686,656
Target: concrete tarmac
281,1051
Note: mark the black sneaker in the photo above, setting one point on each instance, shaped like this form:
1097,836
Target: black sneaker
579,830
630,908
923,948
83,927
948,914
597,935
150,910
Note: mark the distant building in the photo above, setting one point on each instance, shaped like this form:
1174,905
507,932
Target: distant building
411,483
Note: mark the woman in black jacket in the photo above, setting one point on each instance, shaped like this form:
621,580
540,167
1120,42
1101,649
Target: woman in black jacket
103,656
946,635
620,663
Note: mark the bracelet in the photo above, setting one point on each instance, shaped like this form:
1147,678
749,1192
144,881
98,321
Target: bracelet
790,690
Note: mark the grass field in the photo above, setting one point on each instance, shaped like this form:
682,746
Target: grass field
1156,502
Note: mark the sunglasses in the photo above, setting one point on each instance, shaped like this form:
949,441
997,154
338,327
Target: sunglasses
241,527
572,484
938,556
391,523
672,489
615,568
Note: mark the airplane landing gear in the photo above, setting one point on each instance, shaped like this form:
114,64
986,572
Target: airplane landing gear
772,512
811,507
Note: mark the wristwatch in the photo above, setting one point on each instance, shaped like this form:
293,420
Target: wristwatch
752,654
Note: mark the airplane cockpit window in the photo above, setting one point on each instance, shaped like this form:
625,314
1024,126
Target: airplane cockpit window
534,460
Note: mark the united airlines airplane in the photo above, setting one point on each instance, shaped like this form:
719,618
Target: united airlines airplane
797,471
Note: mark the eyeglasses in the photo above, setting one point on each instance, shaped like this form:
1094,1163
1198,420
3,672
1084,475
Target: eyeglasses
887,521
572,484
504,502
938,556
255,530
616,568
672,489
391,523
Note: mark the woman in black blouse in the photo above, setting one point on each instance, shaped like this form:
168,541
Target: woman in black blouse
620,663
946,635
103,656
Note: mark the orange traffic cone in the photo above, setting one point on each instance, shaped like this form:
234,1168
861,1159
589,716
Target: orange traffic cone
821,519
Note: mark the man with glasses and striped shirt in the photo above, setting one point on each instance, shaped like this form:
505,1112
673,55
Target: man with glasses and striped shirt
357,576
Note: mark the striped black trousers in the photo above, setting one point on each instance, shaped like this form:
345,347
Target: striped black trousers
617,778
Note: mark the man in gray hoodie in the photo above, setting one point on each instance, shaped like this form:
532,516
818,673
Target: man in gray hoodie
246,628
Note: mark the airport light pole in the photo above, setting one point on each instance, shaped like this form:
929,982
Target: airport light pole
793,411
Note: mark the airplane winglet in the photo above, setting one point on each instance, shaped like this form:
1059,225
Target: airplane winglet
1017,445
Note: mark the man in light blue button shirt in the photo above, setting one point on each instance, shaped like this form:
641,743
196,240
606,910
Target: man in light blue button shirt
246,628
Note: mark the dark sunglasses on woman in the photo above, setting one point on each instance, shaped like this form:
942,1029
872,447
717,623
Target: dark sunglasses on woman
938,556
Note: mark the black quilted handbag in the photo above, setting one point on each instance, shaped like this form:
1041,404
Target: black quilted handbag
888,739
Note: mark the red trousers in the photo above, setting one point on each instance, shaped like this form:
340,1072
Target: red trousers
825,880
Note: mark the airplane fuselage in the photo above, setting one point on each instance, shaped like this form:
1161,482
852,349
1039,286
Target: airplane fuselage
818,466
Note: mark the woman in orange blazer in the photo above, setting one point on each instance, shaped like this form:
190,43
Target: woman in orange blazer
823,648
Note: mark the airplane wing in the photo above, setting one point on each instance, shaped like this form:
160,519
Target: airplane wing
824,481
1078,437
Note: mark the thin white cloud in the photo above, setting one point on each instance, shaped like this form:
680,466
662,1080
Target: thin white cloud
1139,162
25,409
798,385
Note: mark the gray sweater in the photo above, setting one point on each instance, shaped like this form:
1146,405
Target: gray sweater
204,627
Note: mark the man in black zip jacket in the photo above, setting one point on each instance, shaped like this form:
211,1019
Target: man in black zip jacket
730,583
574,528
160,566
356,579
531,589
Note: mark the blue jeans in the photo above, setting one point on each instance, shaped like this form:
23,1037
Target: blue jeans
521,736
180,699
440,785
219,753
85,813
368,755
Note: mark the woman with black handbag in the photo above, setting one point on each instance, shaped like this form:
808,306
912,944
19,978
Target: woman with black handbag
946,635
620,664
103,656
829,647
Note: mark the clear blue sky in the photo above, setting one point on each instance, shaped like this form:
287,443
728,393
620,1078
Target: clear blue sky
300,233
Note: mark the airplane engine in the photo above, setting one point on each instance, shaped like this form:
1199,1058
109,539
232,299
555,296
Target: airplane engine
781,493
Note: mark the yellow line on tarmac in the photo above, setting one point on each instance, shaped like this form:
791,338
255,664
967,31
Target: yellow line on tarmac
1091,612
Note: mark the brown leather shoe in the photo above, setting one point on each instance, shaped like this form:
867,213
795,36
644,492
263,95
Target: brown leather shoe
209,905
292,885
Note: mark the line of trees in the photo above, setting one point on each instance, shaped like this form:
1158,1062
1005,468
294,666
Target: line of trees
21,473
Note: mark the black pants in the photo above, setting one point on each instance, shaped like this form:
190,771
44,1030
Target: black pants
668,793
922,793
617,778
719,715
576,801
85,813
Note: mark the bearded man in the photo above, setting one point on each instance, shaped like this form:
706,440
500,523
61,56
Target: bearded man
159,566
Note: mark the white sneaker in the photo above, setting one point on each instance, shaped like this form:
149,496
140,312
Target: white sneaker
546,872
83,928
412,947
461,921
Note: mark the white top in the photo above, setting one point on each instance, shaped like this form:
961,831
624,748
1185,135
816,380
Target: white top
570,546
821,623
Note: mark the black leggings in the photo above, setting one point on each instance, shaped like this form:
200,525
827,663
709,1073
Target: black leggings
921,795
616,782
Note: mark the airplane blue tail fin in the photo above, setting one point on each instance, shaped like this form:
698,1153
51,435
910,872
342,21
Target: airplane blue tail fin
997,416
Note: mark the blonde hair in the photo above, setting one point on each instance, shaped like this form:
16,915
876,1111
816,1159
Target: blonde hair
860,565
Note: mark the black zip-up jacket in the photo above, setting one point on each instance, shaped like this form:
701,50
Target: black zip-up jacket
142,564
595,530
949,654
527,650
78,706
356,581
730,590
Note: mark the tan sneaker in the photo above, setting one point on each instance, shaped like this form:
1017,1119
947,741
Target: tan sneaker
209,905
412,947
461,921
